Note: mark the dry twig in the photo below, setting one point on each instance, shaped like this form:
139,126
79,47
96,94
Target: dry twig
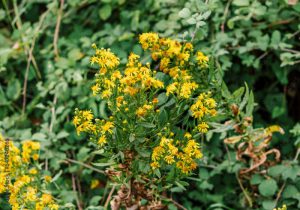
57,27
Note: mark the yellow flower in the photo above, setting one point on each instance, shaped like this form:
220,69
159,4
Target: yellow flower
105,59
95,183
169,159
35,145
33,171
130,90
141,112
171,88
187,135
147,40
210,102
46,198
164,141
202,59
31,194
157,153
116,75
164,63
155,101
202,127
154,165
284,207
95,89
35,156
102,140
187,88
53,207
188,46
83,121
106,94
107,127
173,150
87,115
47,178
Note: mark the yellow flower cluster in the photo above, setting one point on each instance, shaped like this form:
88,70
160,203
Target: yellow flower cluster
148,39
83,121
171,152
135,78
105,128
282,208
174,59
30,148
23,180
105,59
142,111
202,59
203,107
138,77
14,161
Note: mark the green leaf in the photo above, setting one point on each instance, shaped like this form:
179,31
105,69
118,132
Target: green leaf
2,14
191,21
245,99
179,184
276,171
95,200
290,191
256,179
290,173
163,117
39,137
147,125
162,98
269,204
62,134
225,92
184,13
157,173
75,54
238,93
172,206
268,187
13,90
83,153
105,12
103,164
102,110
241,3
275,39
205,15
131,137
56,176
250,105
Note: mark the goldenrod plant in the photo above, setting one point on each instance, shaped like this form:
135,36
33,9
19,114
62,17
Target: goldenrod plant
22,179
157,114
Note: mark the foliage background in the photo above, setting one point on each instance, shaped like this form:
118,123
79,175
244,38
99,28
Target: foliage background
45,74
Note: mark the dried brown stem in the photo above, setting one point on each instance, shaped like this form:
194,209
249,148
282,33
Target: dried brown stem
85,165
74,190
248,198
53,114
179,206
109,196
57,27
279,193
225,15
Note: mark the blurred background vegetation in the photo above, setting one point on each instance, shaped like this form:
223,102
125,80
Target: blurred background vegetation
45,47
